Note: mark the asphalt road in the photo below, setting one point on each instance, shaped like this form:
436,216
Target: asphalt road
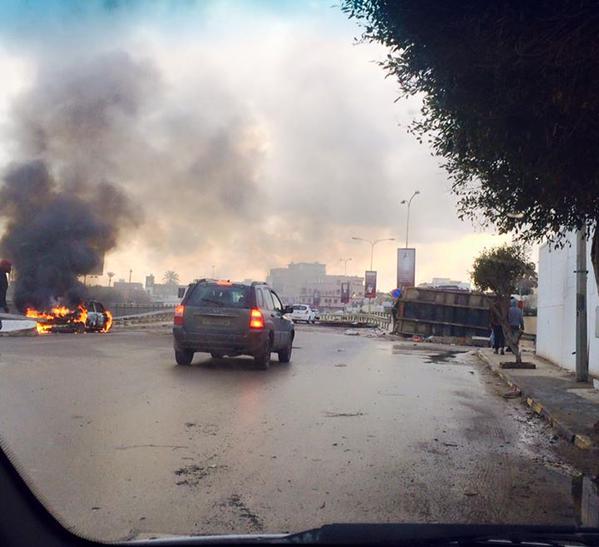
121,443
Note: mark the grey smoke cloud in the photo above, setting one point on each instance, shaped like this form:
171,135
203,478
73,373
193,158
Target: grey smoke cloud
222,150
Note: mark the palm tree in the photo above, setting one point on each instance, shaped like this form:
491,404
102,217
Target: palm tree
110,276
171,278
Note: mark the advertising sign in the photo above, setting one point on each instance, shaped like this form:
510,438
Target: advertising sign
370,284
406,267
396,293
345,292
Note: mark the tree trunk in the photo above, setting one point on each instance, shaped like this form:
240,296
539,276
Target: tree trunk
500,307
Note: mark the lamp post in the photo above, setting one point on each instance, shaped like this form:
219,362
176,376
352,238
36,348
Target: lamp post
408,203
372,242
345,261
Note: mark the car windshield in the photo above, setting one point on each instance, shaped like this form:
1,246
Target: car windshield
267,265
226,296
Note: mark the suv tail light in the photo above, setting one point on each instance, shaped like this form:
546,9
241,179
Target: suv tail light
179,310
256,319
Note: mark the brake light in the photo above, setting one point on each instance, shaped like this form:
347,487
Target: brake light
256,319
179,310
224,282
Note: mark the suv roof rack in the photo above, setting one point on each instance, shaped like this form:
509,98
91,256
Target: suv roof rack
259,283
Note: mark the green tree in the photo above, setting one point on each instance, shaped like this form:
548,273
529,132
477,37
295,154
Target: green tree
170,277
510,101
500,271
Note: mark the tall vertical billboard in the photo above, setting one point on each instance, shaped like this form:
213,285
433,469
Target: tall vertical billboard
406,267
370,284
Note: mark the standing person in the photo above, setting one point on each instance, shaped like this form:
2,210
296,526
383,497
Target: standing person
515,318
5,269
498,336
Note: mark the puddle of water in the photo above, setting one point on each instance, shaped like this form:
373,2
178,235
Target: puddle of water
585,492
442,357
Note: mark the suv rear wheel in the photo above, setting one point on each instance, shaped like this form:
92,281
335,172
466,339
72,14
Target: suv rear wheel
262,359
184,357
285,354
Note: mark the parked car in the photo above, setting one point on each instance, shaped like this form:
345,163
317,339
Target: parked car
230,319
302,312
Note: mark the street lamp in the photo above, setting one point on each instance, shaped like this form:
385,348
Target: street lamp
408,203
345,261
372,242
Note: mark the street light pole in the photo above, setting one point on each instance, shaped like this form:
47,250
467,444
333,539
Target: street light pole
345,261
408,203
372,243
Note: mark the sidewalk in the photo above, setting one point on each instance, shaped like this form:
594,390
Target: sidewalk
571,407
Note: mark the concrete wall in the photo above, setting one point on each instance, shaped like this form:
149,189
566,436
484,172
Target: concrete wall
556,321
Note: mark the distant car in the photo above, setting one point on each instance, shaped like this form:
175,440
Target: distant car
302,312
230,319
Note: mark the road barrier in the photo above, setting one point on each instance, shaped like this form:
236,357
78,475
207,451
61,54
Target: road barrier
375,319
382,320
158,316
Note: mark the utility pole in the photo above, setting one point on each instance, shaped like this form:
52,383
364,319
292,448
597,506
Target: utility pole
372,244
130,273
582,356
345,261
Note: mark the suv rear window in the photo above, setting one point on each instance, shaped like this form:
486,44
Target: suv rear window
302,308
226,296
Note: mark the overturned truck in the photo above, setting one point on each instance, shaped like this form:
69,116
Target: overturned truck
444,315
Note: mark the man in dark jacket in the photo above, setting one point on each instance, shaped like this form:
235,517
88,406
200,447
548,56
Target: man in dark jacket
5,268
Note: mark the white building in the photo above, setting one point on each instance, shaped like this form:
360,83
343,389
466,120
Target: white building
446,283
308,283
556,307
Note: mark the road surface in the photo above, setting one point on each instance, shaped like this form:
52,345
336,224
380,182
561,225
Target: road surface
121,443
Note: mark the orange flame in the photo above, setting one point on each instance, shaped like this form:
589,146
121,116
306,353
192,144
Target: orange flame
108,323
46,321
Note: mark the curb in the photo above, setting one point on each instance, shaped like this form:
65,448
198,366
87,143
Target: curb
580,441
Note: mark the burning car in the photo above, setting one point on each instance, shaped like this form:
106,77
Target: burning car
89,317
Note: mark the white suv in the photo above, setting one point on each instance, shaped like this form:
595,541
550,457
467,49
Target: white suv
301,312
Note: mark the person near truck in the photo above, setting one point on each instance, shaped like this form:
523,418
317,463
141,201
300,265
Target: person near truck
497,330
515,318
5,269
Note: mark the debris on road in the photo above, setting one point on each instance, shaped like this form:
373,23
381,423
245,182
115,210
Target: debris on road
513,393
343,414
351,332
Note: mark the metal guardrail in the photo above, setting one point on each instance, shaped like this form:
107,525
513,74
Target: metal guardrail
380,319
123,309
165,314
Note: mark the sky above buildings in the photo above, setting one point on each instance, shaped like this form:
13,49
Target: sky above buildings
244,135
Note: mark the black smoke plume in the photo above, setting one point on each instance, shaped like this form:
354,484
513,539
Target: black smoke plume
60,209
54,236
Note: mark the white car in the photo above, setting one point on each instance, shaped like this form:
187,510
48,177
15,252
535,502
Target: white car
301,312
